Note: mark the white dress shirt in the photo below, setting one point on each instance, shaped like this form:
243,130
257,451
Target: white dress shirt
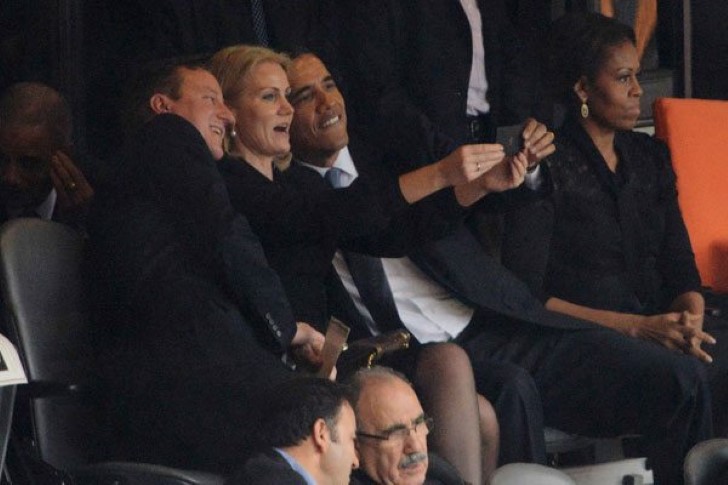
478,85
427,310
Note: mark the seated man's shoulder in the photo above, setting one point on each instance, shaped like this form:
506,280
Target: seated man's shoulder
168,123
297,176
265,468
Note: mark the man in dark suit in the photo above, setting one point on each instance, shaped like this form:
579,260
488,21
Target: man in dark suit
37,176
584,377
308,432
193,322
436,74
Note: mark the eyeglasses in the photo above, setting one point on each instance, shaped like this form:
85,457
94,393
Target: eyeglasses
422,424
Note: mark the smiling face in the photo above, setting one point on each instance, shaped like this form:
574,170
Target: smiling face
388,406
319,127
263,114
201,103
614,95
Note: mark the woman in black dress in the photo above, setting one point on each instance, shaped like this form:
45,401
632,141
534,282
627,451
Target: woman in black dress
609,244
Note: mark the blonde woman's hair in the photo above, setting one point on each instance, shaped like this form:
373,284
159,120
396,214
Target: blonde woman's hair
232,64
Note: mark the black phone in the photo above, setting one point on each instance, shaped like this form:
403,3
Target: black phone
510,137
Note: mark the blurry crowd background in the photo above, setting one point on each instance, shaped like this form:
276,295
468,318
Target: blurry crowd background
86,49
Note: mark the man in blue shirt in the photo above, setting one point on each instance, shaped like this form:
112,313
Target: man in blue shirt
307,432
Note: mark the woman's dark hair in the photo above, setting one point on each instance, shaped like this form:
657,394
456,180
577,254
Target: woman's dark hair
578,45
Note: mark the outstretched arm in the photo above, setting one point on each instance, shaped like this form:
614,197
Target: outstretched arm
463,165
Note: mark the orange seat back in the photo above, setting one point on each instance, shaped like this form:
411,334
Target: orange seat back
696,131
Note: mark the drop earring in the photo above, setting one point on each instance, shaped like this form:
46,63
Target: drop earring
584,110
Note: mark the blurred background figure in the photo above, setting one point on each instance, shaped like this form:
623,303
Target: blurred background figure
38,177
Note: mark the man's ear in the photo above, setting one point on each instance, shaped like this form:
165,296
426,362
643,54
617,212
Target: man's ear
580,89
321,435
160,103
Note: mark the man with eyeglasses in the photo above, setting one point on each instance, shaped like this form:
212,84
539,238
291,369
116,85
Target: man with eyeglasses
392,432
38,178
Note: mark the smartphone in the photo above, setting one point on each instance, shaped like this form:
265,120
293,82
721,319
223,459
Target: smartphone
510,137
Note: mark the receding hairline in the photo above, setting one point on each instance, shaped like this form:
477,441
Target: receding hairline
39,106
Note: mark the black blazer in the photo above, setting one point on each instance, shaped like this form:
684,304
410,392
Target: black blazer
190,315
167,218
265,469
411,60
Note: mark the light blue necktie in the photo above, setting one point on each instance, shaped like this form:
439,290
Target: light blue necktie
334,177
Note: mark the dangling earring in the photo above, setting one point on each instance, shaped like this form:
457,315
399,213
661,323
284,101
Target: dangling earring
584,110
233,133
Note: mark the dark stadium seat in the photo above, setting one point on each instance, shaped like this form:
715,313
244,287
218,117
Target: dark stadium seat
47,319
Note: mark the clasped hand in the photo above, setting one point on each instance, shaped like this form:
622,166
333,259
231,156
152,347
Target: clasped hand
678,331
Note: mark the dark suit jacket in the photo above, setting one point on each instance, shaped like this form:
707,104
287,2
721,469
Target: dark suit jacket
411,60
191,315
266,469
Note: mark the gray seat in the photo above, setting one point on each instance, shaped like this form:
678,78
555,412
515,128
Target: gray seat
707,463
47,318
7,401
529,473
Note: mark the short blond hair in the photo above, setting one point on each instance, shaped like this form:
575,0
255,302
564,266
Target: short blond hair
231,66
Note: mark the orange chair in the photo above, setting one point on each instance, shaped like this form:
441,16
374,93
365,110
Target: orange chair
696,131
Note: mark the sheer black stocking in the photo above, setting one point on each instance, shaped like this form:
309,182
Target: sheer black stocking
446,387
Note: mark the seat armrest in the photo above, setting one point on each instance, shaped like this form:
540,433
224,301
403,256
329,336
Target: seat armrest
127,473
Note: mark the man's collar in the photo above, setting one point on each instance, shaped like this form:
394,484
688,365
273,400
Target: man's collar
296,466
343,161
46,208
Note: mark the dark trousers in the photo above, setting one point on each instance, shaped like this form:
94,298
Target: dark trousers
599,383
718,373
186,392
